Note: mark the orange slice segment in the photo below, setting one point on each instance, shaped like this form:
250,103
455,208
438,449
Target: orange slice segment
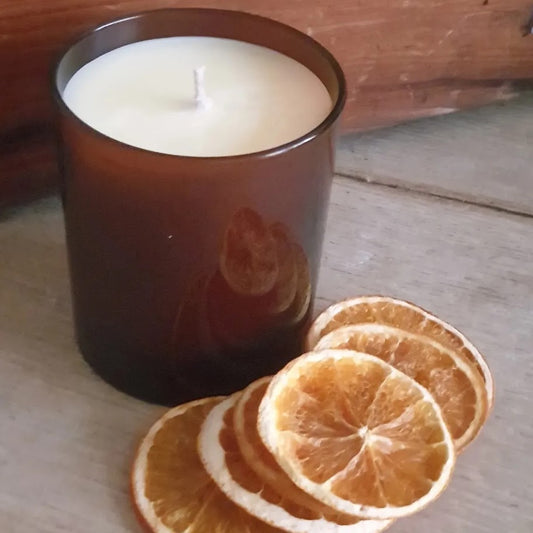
402,315
357,434
452,380
171,491
221,457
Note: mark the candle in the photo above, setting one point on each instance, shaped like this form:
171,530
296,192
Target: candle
198,96
193,276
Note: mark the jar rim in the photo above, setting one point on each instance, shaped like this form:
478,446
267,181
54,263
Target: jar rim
319,50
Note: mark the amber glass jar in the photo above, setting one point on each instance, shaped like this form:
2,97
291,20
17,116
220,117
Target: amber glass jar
192,276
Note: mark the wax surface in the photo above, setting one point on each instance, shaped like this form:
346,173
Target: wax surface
143,94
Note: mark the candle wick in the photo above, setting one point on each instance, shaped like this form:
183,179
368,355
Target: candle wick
200,96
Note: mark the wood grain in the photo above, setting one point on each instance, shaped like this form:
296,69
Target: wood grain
481,156
403,58
67,438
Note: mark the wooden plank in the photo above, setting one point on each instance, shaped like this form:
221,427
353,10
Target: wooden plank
482,156
67,438
403,59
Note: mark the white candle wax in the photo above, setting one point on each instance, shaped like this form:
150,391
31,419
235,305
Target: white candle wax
247,98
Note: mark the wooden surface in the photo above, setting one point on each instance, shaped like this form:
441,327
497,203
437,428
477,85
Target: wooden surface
403,59
67,438
443,156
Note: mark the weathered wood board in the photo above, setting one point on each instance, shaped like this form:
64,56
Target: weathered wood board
483,156
67,438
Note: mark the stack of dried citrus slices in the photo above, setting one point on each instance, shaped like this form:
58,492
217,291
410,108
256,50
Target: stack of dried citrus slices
358,432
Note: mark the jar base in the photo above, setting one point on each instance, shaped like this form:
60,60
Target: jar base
222,374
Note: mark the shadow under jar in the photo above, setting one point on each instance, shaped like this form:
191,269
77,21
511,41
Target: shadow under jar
193,275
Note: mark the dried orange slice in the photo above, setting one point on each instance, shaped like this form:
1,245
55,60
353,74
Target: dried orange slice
452,380
171,491
248,260
357,434
252,448
261,461
402,315
221,457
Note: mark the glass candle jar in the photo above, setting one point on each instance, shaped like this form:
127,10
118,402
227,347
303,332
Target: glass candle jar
192,276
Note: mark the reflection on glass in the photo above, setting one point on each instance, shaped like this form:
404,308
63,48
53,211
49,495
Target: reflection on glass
260,292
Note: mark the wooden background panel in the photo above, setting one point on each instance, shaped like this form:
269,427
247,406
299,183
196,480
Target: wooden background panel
403,59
